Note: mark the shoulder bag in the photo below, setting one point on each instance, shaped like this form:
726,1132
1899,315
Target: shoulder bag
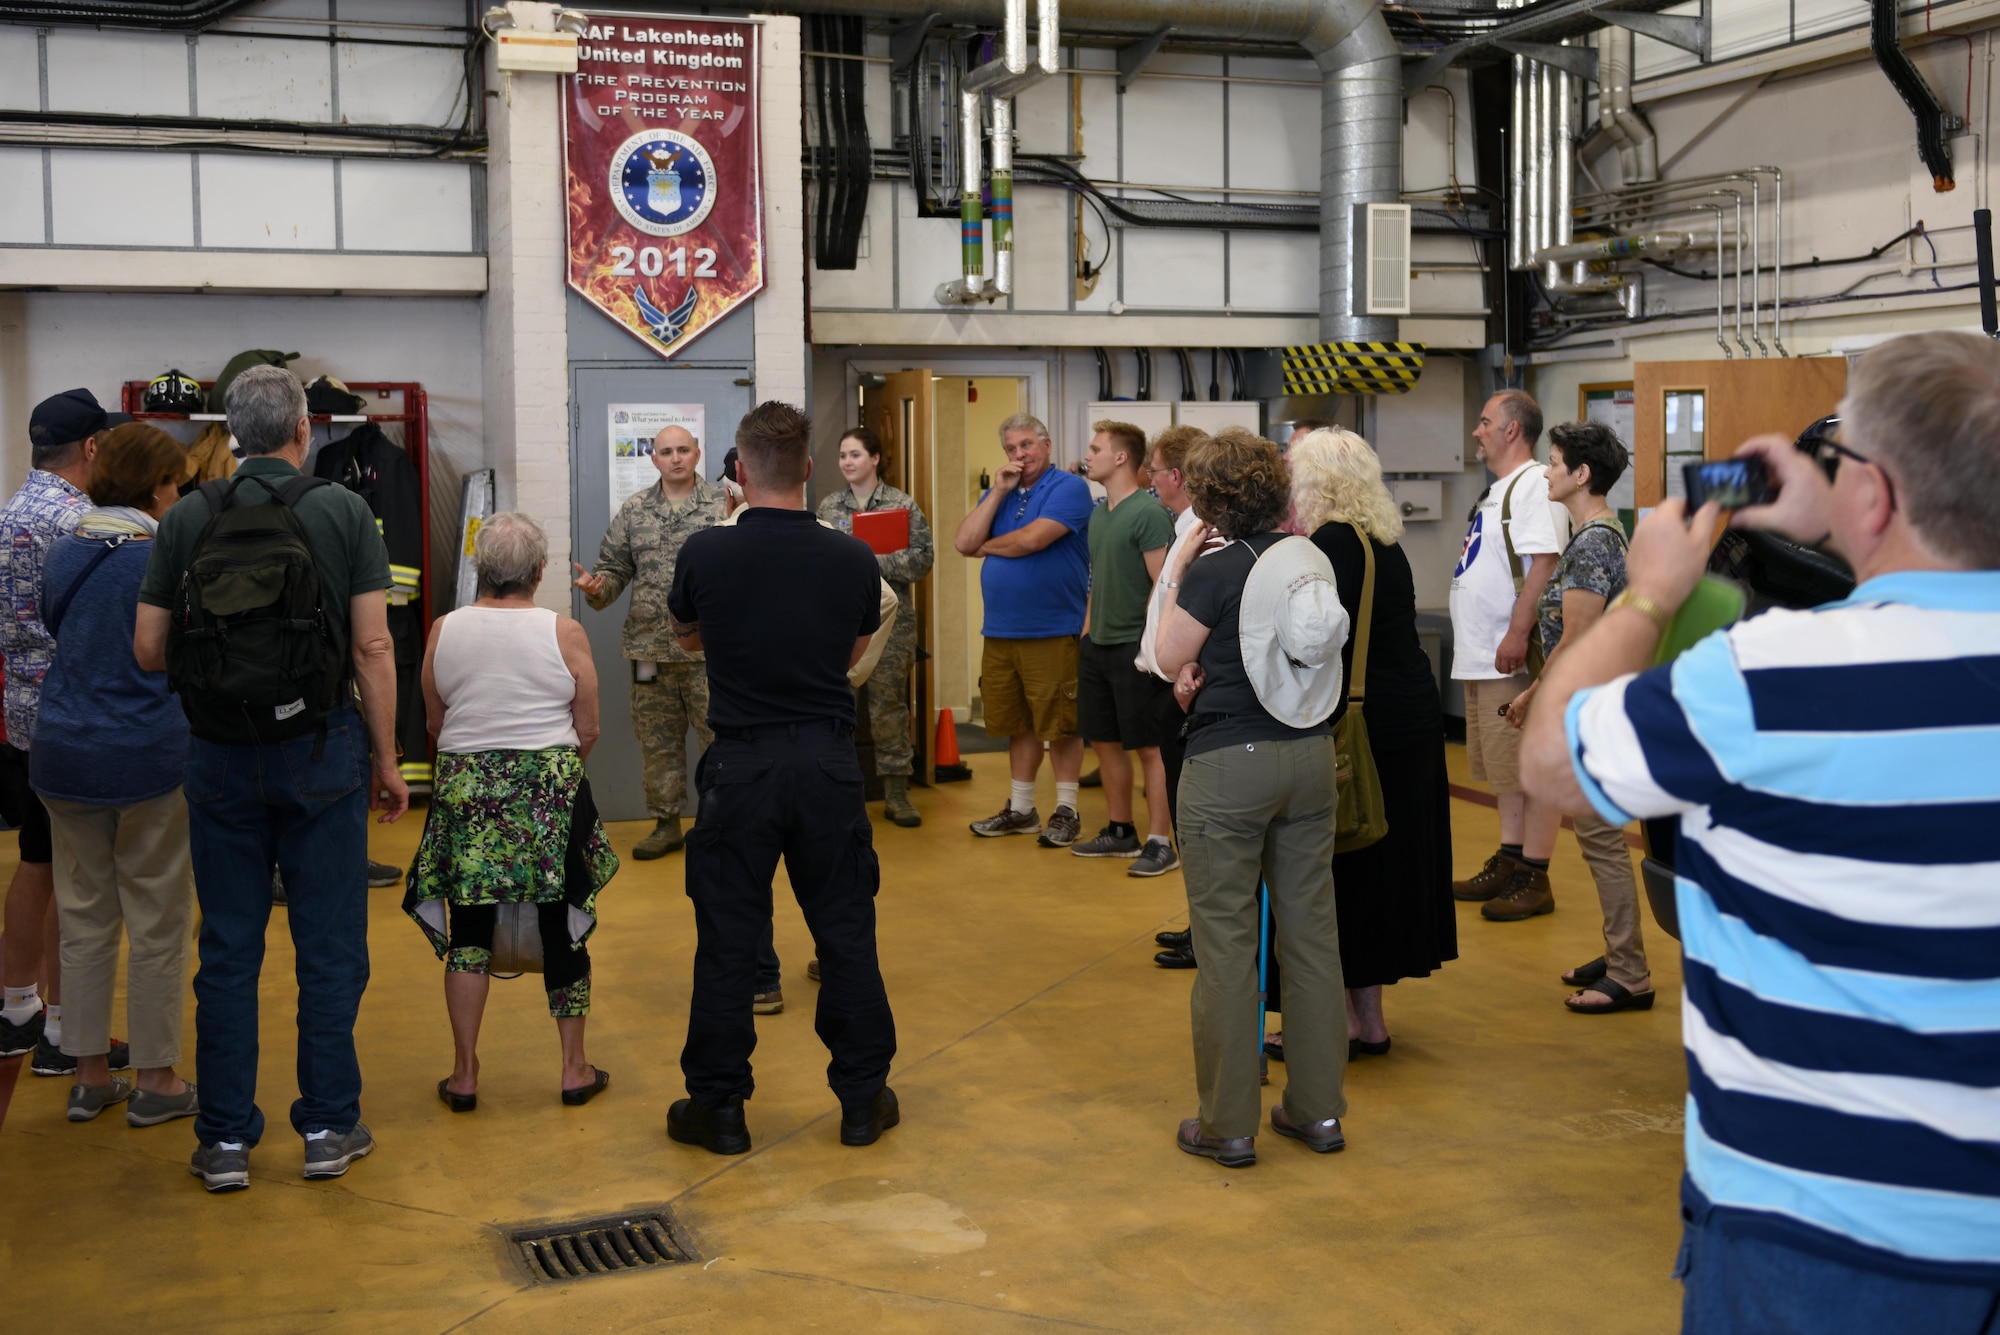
1538,657
1359,817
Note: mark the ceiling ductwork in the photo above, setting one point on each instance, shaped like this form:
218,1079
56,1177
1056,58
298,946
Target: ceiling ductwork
185,16
1361,102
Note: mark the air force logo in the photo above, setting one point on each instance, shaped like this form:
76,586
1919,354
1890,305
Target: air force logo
1470,552
663,182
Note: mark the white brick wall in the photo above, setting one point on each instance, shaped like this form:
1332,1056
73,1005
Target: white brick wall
781,306
526,325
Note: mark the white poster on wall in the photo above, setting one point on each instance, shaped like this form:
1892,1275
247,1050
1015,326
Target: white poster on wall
632,427
1614,409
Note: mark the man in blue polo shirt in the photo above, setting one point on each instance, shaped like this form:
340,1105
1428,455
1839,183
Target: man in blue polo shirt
1835,777
1030,527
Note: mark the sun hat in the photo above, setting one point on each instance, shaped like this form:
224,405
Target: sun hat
1291,629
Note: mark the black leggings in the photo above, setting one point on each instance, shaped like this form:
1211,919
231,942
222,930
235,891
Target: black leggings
565,963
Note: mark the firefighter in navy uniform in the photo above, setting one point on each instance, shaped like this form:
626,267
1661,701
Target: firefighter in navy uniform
782,607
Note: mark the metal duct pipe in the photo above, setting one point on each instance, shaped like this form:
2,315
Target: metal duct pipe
1629,206
1639,150
1013,57
971,212
1637,246
1518,248
1361,108
1003,196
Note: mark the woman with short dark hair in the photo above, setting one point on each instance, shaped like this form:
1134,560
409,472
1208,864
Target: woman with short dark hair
107,763
1585,460
511,696
1256,795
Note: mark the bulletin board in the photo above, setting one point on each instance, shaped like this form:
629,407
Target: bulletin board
1611,402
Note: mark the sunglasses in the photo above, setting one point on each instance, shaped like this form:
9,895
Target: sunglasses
1829,453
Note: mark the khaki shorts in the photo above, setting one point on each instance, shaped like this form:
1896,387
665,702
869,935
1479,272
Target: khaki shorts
1030,686
1492,744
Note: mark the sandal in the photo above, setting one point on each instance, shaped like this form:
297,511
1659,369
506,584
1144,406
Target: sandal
1622,998
1583,975
576,1098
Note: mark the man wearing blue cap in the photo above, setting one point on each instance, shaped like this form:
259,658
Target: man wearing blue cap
62,434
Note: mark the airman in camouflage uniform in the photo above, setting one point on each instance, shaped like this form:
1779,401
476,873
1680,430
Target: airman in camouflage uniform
638,552
887,693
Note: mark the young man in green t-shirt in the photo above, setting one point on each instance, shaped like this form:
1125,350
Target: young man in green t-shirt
1118,703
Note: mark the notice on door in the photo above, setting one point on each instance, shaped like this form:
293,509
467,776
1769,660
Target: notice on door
632,429
666,207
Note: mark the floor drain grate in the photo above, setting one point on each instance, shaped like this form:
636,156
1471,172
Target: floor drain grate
552,1253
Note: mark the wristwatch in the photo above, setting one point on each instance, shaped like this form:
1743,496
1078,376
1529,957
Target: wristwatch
1646,607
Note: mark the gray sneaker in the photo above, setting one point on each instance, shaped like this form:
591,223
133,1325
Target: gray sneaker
1106,845
223,1166
329,1152
1063,828
152,1109
1157,859
86,1101
1008,821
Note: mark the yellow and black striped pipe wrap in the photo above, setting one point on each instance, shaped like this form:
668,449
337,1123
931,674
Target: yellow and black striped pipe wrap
1352,368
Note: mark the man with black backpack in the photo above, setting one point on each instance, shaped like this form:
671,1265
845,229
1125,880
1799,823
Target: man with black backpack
265,604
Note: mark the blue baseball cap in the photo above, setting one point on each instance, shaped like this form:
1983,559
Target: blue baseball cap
69,416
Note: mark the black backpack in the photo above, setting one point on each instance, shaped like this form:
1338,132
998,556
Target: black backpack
250,648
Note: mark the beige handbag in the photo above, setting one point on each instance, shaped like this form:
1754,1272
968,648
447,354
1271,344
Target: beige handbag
517,939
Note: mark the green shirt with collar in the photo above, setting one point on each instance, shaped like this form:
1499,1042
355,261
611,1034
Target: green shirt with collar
346,545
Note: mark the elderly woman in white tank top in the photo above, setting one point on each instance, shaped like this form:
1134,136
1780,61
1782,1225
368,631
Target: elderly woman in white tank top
511,695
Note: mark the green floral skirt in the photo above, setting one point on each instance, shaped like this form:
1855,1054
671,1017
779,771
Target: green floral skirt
509,827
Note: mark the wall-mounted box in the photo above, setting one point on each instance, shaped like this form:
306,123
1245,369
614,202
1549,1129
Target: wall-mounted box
1424,431
536,52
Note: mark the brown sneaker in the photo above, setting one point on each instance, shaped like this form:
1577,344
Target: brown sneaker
1527,894
1063,828
1489,881
1009,821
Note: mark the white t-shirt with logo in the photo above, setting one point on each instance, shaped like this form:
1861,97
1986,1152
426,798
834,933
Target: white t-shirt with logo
1482,588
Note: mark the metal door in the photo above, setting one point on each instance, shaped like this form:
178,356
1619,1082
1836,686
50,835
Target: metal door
616,779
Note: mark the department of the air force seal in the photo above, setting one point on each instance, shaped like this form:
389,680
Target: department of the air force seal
663,182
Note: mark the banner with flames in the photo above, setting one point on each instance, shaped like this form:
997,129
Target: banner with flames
666,201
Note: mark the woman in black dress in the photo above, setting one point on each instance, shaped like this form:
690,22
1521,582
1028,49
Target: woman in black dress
1394,897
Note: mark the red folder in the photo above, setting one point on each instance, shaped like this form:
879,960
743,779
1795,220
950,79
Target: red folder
885,531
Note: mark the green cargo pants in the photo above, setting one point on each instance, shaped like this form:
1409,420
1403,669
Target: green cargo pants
1249,812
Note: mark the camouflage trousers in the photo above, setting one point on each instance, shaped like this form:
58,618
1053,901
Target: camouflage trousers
662,711
886,696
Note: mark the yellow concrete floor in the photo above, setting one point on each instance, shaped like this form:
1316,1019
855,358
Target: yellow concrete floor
1511,1167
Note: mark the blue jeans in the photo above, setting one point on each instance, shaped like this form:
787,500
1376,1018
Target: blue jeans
249,808
1735,1284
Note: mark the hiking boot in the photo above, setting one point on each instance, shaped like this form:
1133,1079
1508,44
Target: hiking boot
665,838
1156,859
51,1060
145,1109
1488,881
223,1166
18,1040
1107,844
768,1003
896,802
1528,894
1063,828
1010,821
329,1152
86,1101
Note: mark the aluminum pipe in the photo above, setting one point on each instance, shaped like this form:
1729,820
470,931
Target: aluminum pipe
1518,247
1638,246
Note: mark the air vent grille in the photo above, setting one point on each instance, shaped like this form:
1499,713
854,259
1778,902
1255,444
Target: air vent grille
1388,259
557,1253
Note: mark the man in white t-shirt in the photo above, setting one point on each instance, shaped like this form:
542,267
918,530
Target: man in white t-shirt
1492,616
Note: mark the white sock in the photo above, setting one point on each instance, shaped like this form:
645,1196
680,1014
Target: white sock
52,1026
21,1003
1066,794
317,1135
1023,799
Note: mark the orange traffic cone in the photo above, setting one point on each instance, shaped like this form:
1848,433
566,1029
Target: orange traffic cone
945,752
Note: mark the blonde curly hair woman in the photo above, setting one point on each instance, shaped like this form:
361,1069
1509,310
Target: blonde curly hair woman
1393,897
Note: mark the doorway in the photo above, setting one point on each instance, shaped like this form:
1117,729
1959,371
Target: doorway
966,447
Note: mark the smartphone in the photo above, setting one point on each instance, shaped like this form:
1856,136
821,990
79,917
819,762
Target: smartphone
1730,483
